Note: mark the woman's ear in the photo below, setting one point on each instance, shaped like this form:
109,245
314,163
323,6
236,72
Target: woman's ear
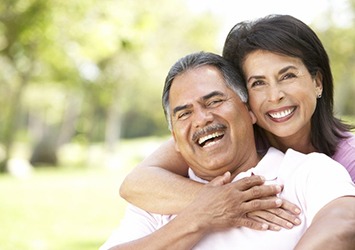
319,83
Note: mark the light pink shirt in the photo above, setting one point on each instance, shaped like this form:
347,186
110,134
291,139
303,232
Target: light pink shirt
345,155
310,181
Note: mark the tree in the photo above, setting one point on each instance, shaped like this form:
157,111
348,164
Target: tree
21,28
79,68
339,41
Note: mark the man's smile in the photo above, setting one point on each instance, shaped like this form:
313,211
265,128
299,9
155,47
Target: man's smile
210,139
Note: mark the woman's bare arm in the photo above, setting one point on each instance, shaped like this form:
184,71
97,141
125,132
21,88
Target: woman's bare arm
159,184
333,227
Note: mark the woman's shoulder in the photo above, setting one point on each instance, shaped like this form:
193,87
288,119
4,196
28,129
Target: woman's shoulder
345,154
347,143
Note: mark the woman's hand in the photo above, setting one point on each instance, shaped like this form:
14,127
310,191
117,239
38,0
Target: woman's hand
245,203
284,216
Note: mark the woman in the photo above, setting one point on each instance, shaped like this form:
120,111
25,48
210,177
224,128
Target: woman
287,36
290,88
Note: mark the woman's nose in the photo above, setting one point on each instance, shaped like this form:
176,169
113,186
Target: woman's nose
275,93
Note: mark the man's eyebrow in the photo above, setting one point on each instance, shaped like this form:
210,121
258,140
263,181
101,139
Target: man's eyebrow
213,94
182,107
204,98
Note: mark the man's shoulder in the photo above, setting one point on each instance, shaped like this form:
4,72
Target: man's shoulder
299,158
313,164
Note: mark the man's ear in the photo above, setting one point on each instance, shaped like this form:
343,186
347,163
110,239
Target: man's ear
176,144
252,116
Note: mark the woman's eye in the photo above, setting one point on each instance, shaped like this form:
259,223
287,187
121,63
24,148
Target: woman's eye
288,76
257,83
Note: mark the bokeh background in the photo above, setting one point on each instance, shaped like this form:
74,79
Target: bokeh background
80,89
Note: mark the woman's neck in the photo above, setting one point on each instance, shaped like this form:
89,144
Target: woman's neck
300,143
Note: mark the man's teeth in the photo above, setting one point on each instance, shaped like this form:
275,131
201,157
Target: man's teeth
281,114
207,137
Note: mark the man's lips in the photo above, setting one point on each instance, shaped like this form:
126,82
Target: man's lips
281,114
201,141
209,133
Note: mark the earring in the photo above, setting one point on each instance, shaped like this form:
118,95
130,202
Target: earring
319,95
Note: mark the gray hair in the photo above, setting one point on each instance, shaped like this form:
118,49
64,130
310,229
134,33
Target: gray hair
232,78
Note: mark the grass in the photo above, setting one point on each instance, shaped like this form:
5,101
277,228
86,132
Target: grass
65,208
70,208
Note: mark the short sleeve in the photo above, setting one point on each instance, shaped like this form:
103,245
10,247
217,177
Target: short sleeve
323,182
136,223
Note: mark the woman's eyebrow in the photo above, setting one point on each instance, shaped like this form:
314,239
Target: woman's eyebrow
285,69
281,71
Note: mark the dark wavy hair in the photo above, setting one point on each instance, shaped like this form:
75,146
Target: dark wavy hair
284,34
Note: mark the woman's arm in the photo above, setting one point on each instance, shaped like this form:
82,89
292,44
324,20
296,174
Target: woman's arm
202,216
333,227
159,184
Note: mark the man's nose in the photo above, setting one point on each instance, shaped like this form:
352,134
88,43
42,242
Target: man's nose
202,117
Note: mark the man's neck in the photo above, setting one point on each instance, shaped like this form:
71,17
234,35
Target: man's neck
250,162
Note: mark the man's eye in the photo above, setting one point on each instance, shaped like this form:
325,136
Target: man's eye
214,102
183,115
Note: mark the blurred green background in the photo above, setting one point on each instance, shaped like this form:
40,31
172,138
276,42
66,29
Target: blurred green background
80,91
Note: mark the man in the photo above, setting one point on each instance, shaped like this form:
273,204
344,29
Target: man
205,105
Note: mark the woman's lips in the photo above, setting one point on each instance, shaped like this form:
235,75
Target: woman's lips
281,114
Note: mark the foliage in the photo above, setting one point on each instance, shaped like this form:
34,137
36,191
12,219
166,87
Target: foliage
81,68
339,42
73,207
92,71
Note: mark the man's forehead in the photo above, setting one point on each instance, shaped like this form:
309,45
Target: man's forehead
200,76
195,84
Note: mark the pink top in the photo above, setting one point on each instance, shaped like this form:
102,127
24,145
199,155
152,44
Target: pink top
345,155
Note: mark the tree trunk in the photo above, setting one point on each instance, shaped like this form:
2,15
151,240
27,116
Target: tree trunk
11,126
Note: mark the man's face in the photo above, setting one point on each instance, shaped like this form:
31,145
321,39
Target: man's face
212,127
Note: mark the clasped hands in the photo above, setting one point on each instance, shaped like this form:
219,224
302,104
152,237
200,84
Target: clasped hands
223,204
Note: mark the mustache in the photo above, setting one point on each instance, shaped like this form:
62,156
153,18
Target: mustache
207,130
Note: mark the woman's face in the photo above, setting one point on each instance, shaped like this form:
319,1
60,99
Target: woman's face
282,93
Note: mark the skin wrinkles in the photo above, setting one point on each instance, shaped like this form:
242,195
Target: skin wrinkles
212,107
203,99
261,77
283,97
207,130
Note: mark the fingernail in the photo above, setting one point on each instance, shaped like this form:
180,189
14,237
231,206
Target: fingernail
278,201
297,221
297,210
265,226
289,225
277,228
